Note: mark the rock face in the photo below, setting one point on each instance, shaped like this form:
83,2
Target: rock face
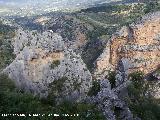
139,43
111,100
43,62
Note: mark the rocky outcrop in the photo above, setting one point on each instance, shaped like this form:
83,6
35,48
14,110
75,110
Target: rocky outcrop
111,100
139,43
43,61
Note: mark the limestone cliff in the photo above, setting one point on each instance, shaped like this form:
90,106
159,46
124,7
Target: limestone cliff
42,61
139,43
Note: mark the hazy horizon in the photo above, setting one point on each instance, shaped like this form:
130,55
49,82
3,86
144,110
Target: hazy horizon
51,2
24,6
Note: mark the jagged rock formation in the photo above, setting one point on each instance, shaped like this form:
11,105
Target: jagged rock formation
139,43
43,60
110,100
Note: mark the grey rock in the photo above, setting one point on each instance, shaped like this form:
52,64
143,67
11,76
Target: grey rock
107,99
32,70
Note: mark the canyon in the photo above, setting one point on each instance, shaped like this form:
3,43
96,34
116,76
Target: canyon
48,63
139,43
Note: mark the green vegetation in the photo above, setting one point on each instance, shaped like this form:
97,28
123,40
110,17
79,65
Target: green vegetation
152,6
34,33
85,111
76,85
105,20
6,53
91,52
141,103
94,89
6,32
112,79
14,101
117,113
68,27
58,84
6,49
158,71
56,89
55,63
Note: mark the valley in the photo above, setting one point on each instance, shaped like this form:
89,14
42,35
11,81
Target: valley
101,62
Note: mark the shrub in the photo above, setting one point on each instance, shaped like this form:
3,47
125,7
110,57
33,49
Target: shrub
58,84
112,78
6,84
151,6
6,50
142,104
56,88
6,53
15,102
85,111
55,63
94,89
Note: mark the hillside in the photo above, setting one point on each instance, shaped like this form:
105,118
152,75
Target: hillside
6,49
139,43
99,63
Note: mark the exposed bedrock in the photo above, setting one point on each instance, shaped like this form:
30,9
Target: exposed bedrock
43,62
139,43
